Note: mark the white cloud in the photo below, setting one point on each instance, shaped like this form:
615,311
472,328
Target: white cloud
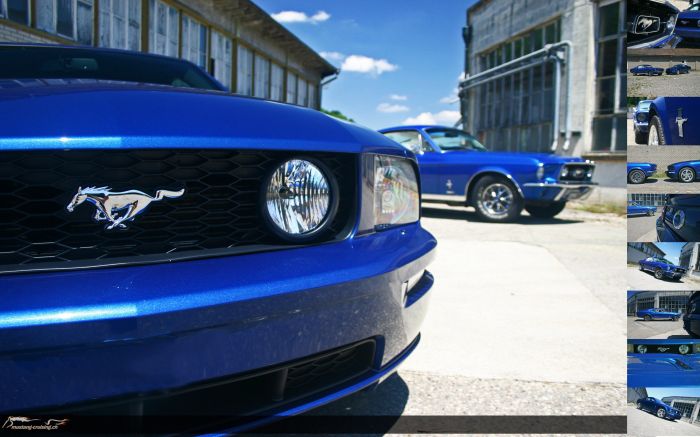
333,56
443,117
398,97
301,17
392,108
365,64
452,98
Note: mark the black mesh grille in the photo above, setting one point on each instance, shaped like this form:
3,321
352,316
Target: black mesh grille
219,212
577,172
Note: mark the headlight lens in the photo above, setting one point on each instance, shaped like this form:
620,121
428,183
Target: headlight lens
396,196
683,349
298,199
642,349
696,348
630,348
641,116
540,172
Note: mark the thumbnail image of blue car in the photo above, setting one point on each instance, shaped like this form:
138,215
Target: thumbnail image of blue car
663,363
658,408
684,171
457,169
691,317
646,70
687,24
650,24
164,250
658,314
638,172
678,69
679,219
661,268
640,120
674,121
633,208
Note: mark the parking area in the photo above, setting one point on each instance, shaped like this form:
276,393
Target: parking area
640,423
639,280
655,329
664,85
642,228
491,282
662,156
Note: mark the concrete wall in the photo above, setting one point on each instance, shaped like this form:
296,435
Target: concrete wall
634,255
635,393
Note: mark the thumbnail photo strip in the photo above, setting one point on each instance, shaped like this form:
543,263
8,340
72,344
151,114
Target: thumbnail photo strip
663,217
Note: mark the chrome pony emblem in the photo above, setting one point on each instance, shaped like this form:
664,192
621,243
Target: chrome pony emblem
647,24
680,120
120,207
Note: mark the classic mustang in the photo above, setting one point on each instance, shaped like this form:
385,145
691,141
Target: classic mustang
634,208
640,119
166,252
656,406
650,24
691,317
684,171
687,24
674,121
638,172
456,169
646,70
663,363
679,219
657,314
661,268
678,69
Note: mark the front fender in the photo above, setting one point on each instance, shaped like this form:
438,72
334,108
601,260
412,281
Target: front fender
493,169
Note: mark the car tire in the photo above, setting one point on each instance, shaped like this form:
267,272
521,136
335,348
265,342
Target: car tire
656,133
686,175
661,413
639,406
675,319
636,177
641,137
650,213
546,211
658,274
506,208
647,318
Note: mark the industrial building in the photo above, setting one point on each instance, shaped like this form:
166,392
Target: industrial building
688,406
675,301
549,76
234,40
689,258
647,199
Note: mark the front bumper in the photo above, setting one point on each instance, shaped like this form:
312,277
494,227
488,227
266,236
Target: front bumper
674,415
71,337
641,126
664,233
672,174
557,191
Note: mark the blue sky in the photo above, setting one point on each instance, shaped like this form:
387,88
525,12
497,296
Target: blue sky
402,58
673,251
660,392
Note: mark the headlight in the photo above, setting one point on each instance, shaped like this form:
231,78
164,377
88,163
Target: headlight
300,199
630,348
395,190
683,349
671,24
696,348
540,171
642,116
642,349
563,172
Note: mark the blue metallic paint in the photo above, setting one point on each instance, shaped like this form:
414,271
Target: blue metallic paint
658,314
662,369
648,168
652,405
646,70
667,269
673,169
634,209
668,109
686,25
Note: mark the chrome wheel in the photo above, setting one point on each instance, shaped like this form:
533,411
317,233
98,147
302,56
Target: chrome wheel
637,177
496,200
653,136
658,274
686,174
661,413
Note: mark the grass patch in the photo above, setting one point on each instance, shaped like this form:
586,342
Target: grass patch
602,208
659,174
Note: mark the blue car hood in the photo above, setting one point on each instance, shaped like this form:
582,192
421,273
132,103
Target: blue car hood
119,115
515,158
689,14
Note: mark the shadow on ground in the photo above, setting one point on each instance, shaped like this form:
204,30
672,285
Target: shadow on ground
663,279
461,214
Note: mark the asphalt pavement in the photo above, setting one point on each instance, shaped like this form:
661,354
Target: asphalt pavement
665,85
641,227
655,329
515,311
639,280
643,424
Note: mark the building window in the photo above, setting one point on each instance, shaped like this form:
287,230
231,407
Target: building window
312,95
291,87
194,41
15,10
221,58
262,77
120,24
67,18
245,71
302,96
277,83
163,29
610,119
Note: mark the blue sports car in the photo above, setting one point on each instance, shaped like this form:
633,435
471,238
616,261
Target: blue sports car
166,252
663,363
678,69
638,172
456,169
659,408
646,70
658,314
674,121
650,24
640,119
687,24
679,219
634,208
684,171
691,317
661,268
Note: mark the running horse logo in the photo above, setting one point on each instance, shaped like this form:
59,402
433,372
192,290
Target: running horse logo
119,207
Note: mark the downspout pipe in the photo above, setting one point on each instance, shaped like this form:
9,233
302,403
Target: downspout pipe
557,98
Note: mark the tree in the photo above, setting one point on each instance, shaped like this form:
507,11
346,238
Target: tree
337,114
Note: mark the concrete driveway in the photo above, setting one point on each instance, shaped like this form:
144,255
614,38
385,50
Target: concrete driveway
655,329
643,424
641,227
639,280
517,312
